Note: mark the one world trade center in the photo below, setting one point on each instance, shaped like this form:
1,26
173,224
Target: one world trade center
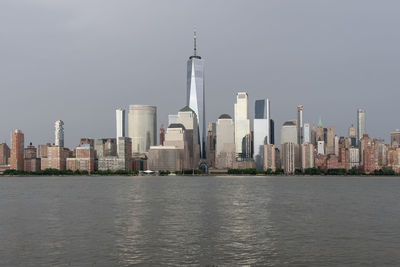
195,97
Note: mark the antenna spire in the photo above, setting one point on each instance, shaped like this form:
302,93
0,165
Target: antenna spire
194,39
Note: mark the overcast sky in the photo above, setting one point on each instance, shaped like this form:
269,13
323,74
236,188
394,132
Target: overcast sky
79,60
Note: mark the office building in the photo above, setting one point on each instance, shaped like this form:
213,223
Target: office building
306,133
336,145
289,132
225,142
320,132
211,143
142,128
188,118
195,97
299,124
172,118
272,131
321,147
162,135
360,123
120,122
242,125
17,151
330,141
314,135
59,133
261,131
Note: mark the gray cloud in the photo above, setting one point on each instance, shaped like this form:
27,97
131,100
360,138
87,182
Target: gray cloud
79,60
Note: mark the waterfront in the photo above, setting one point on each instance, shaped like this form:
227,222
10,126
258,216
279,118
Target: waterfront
225,221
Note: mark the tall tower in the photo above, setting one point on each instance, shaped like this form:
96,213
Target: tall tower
261,130
195,97
17,150
59,133
242,125
142,128
299,124
120,122
360,123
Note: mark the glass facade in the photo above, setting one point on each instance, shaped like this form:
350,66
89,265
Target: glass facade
196,95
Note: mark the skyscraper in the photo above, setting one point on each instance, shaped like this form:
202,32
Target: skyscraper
195,97
120,122
330,141
306,133
289,132
225,144
4,154
17,150
261,130
272,131
59,133
142,127
242,124
188,118
352,132
299,124
395,138
360,123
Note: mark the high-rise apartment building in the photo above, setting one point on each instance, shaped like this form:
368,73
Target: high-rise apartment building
31,162
354,157
352,132
4,154
59,133
395,138
290,157
261,130
55,159
195,97
142,127
83,161
17,150
269,157
242,124
360,123
307,157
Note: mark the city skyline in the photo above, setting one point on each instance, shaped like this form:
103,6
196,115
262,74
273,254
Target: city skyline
82,60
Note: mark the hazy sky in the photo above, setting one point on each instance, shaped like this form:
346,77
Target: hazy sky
79,60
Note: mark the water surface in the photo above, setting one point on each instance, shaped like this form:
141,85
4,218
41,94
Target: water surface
225,221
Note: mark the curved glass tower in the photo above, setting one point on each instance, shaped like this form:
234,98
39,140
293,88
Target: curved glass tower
195,95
